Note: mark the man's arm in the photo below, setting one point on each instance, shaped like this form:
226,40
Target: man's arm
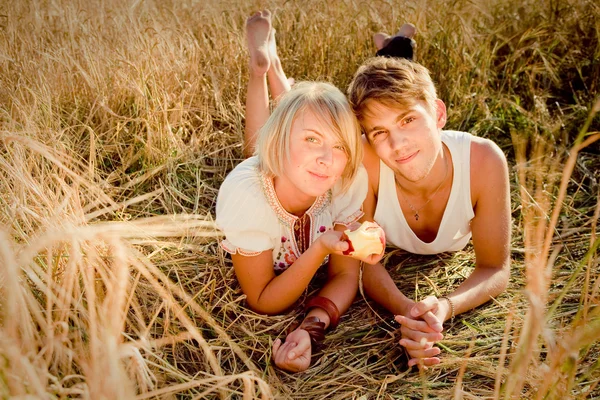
490,191
377,282
380,286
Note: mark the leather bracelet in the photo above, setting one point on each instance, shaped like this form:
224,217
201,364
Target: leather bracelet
329,307
315,328
451,307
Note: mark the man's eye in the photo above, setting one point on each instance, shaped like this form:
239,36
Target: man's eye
407,120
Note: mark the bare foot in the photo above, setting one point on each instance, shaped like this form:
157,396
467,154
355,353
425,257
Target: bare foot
258,28
407,30
382,39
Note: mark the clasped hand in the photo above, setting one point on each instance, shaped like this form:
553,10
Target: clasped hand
421,328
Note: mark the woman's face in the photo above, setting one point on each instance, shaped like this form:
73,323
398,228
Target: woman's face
317,156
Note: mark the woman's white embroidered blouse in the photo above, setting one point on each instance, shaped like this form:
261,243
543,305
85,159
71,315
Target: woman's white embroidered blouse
253,220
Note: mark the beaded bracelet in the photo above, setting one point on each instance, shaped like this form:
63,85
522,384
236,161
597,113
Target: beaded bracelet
451,307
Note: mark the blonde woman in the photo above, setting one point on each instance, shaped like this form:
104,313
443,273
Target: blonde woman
283,210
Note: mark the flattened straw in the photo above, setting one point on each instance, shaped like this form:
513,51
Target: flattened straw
214,384
145,270
248,388
205,315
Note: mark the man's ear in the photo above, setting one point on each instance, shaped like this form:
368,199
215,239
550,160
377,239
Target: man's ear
440,113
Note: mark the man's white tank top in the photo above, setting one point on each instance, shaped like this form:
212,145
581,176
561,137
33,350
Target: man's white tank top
455,229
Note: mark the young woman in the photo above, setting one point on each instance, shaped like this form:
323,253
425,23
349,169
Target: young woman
283,210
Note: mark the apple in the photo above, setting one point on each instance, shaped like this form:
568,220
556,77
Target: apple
368,239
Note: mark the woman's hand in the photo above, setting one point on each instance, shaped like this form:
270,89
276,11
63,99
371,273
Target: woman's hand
293,355
371,258
333,243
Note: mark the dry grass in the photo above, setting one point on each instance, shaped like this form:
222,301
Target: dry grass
118,122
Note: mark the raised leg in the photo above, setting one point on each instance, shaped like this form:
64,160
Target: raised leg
279,84
400,45
258,31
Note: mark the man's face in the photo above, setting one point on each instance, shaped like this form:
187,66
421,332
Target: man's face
406,139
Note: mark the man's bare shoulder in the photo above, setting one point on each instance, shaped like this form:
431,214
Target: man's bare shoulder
488,165
486,154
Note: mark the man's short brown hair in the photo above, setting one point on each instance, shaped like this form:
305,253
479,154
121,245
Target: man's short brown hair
393,82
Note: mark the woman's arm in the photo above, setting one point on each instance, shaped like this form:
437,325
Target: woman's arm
270,294
341,287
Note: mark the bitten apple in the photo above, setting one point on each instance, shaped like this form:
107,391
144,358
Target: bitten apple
368,239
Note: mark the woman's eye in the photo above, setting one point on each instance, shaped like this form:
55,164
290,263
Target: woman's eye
340,147
311,139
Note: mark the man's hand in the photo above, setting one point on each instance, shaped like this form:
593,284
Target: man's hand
372,259
432,310
421,329
294,354
418,338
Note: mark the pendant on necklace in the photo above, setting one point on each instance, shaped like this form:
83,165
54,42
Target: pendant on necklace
417,216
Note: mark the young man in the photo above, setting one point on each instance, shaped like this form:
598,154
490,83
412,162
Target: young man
431,191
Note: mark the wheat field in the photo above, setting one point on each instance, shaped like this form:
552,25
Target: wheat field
120,119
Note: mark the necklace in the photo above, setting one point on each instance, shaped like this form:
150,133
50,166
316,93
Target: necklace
416,210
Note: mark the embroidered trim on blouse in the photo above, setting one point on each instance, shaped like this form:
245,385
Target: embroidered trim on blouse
231,249
351,218
320,204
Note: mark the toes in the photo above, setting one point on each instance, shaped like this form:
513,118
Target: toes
380,40
253,16
407,30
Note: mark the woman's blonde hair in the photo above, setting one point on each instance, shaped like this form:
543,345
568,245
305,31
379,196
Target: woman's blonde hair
393,82
330,106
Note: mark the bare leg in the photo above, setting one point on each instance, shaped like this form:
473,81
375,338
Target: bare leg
278,82
258,28
382,39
